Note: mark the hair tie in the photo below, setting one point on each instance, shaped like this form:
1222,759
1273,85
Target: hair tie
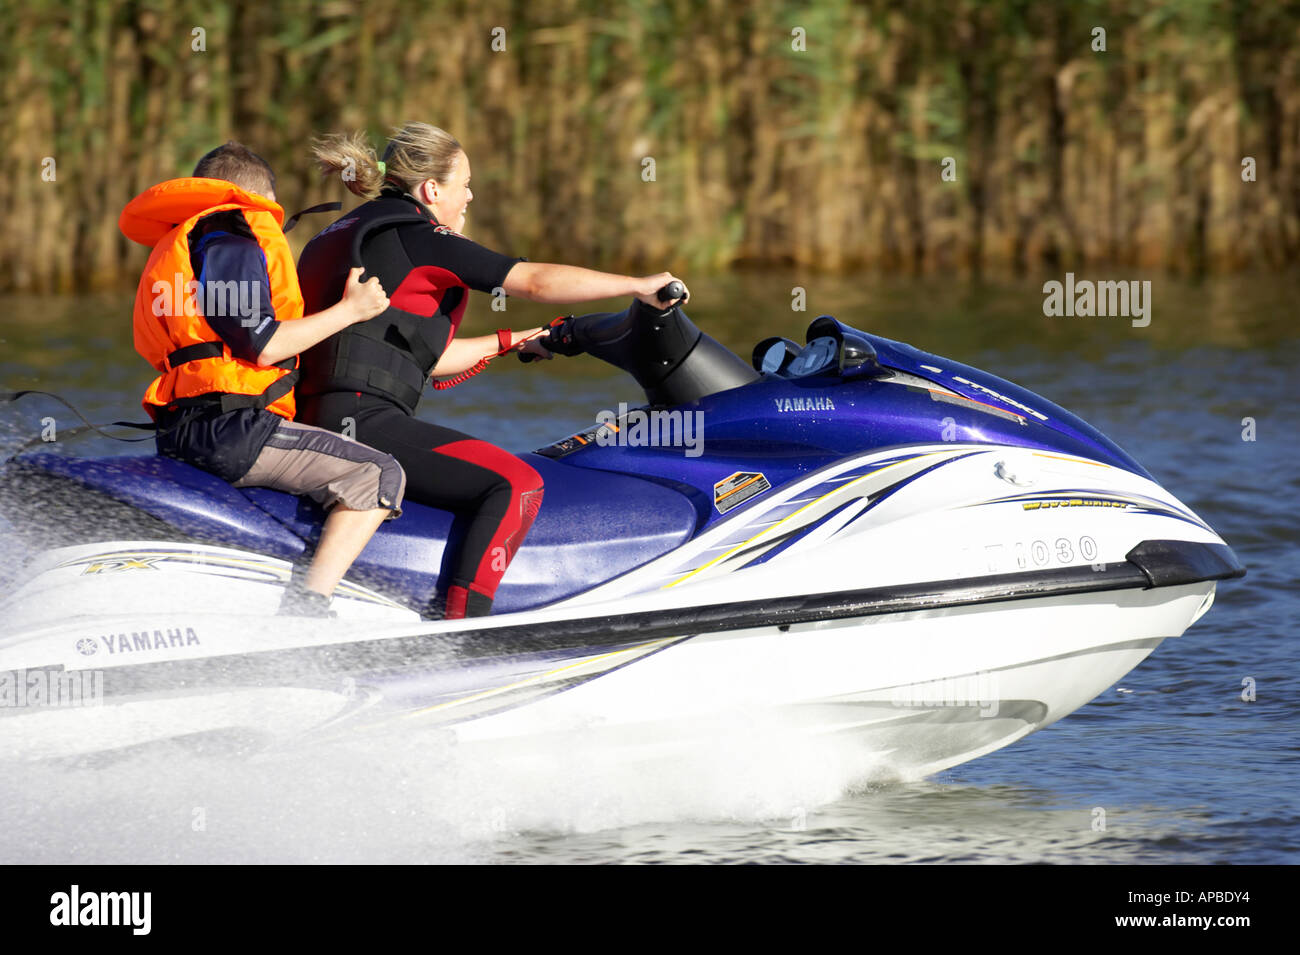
383,168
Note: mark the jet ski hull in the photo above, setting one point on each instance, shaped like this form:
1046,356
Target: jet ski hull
827,569
915,680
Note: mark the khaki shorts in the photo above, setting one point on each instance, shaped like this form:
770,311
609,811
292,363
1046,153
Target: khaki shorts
328,468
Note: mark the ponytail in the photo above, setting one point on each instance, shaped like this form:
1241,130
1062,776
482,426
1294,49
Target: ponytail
415,153
352,159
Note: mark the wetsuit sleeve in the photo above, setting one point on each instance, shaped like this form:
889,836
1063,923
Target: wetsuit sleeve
235,291
476,266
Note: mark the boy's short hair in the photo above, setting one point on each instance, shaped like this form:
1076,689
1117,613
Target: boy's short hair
236,163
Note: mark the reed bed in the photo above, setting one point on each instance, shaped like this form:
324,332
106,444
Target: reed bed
826,157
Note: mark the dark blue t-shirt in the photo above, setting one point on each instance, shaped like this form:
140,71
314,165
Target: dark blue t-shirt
235,301
234,285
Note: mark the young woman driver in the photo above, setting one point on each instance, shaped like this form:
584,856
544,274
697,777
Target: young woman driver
409,235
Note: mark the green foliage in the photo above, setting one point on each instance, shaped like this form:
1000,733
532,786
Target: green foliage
826,158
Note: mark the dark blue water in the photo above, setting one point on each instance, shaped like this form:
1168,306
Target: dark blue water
1178,765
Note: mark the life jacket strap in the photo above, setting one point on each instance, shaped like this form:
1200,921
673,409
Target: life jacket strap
232,402
277,390
378,368
310,210
202,350
196,352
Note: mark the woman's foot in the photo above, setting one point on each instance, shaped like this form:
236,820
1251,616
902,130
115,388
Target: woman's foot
463,602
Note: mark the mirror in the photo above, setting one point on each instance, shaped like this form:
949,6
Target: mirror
772,356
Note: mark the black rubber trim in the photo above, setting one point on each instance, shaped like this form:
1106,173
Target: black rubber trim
1171,562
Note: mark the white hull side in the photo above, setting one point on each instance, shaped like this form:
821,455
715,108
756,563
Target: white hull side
926,690
917,692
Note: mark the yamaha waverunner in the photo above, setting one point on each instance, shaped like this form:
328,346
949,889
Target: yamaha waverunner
864,540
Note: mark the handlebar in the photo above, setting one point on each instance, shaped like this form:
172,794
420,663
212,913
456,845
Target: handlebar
671,292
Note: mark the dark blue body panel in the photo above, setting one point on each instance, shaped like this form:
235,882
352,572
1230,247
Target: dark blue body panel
1078,432
784,427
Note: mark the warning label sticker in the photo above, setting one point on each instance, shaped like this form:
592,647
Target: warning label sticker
737,489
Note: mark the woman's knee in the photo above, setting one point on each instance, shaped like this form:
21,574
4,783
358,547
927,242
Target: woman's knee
529,479
509,471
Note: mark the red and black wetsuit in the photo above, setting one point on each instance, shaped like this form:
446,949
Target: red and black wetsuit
371,375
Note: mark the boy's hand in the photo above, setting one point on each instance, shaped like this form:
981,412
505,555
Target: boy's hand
366,299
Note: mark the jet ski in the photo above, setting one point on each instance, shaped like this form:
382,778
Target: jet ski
863,541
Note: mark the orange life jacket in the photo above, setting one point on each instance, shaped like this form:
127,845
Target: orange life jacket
169,330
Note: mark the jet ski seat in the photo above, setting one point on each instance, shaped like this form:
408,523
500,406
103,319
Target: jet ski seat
593,525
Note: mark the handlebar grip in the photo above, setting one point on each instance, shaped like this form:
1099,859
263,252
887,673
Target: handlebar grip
673,290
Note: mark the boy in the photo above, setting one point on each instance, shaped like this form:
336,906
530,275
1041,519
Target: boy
219,314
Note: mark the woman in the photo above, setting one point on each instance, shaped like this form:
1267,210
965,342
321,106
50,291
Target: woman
371,375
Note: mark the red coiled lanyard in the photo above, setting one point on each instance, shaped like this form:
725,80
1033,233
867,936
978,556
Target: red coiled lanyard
505,343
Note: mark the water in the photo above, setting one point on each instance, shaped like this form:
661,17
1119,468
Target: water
1175,762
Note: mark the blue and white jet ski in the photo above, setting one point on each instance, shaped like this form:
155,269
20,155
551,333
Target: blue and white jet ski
853,536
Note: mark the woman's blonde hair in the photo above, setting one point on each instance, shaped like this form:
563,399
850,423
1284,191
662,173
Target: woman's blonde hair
416,152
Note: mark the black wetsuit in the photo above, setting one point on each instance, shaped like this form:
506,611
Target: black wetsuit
366,380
